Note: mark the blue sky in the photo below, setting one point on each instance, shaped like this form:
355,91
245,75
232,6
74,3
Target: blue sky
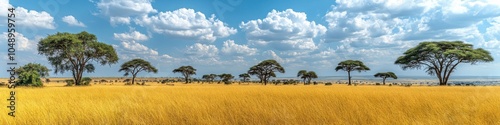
229,36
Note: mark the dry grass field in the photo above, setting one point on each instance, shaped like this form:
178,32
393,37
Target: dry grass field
252,104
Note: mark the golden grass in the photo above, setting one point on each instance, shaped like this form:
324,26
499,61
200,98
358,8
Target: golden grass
253,104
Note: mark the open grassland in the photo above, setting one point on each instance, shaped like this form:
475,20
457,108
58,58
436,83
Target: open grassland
253,104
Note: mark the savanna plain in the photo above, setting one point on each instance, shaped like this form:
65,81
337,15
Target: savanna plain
220,104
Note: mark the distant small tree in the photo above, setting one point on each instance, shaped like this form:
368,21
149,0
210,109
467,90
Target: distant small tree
245,77
351,65
135,66
385,75
30,74
265,70
186,71
305,75
226,77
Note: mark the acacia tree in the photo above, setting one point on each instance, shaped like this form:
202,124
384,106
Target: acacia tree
265,70
303,75
311,75
226,77
351,65
441,58
186,71
245,77
307,75
385,75
30,74
135,66
75,53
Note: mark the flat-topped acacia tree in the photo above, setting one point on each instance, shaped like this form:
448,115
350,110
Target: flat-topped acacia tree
186,71
135,66
265,70
305,75
75,53
385,75
442,58
245,77
351,65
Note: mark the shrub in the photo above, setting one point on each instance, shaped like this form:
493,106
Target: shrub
328,84
86,81
69,82
377,83
227,82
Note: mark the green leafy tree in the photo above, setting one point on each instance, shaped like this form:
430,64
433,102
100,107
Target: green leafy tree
135,66
226,77
305,75
186,71
265,70
311,75
75,53
351,65
442,58
385,75
209,77
30,74
245,77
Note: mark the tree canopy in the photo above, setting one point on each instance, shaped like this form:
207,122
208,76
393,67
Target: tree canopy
351,65
186,71
265,70
226,77
385,75
441,58
30,74
135,66
305,75
245,76
75,52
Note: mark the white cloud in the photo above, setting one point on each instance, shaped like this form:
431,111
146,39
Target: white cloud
72,21
34,19
130,36
284,30
202,50
229,47
22,43
138,48
119,20
120,11
186,23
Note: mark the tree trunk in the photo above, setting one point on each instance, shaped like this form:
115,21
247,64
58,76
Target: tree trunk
383,81
186,79
133,79
349,75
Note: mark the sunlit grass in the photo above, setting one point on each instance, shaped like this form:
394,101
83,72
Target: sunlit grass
253,104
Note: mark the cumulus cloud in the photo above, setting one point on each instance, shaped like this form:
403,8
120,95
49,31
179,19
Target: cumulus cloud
120,11
72,21
283,30
34,19
186,23
229,47
22,43
202,50
138,48
130,36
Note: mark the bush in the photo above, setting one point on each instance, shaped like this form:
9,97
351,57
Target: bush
86,81
227,82
328,84
69,82
377,83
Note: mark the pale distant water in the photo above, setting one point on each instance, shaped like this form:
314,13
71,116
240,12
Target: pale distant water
477,80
